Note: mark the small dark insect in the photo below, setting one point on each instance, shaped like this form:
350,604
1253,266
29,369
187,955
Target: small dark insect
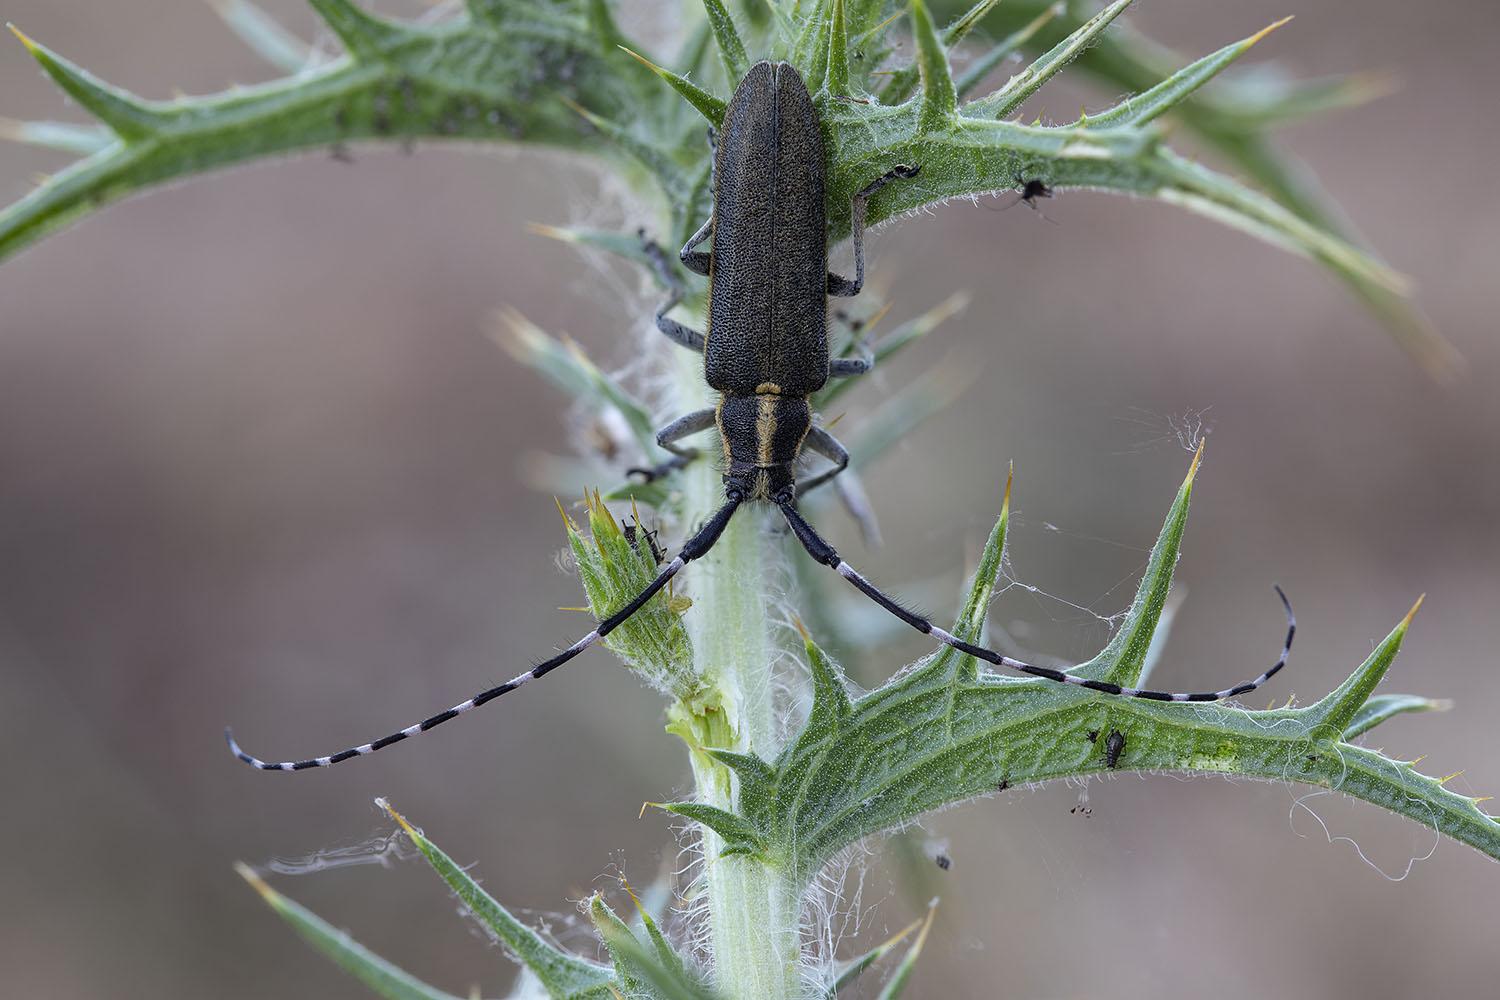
944,862
1004,784
1082,810
1032,189
1114,745
1093,735
1028,192
633,534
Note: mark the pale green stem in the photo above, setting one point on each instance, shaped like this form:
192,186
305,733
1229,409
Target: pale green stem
753,908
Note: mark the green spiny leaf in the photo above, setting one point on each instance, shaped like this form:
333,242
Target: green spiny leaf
1337,711
1021,86
911,405
899,87
731,47
837,80
641,971
665,955
561,974
123,112
1142,108
667,173
707,105
567,367
1381,707
265,35
996,54
854,968
939,99
1122,661
739,834
903,336
614,571
602,22
365,36
82,139
936,734
369,968
897,983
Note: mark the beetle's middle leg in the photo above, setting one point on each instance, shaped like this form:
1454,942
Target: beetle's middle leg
677,332
698,420
843,286
864,358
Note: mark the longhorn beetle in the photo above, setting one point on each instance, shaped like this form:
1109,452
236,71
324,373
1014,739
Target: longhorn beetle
765,352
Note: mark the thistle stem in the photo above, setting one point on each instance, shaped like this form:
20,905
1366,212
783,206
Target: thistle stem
753,908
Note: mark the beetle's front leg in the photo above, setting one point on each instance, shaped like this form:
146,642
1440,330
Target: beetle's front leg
668,436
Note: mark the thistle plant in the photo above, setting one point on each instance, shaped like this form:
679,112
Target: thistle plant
791,768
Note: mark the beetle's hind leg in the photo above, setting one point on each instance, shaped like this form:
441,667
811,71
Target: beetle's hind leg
841,286
668,436
850,494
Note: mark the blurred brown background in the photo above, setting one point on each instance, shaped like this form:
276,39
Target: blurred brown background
260,467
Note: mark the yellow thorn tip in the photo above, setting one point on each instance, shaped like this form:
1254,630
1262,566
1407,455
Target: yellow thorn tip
551,232
256,882
655,68
916,946
30,45
1197,458
1263,32
1405,622
568,524
888,20
588,115
1444,781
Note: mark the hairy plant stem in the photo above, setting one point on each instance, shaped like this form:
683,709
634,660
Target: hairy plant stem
753,907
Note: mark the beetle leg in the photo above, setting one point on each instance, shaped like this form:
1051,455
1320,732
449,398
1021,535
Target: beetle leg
697,261
698,420
845,367
850,493
828,446
677,332
843,286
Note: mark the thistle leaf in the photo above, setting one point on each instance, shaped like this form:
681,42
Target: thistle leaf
731,47
382,977
508,72
126,115
942,731
939,99
265,35
641,972
1021,86
562,975
1142,108
365,36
